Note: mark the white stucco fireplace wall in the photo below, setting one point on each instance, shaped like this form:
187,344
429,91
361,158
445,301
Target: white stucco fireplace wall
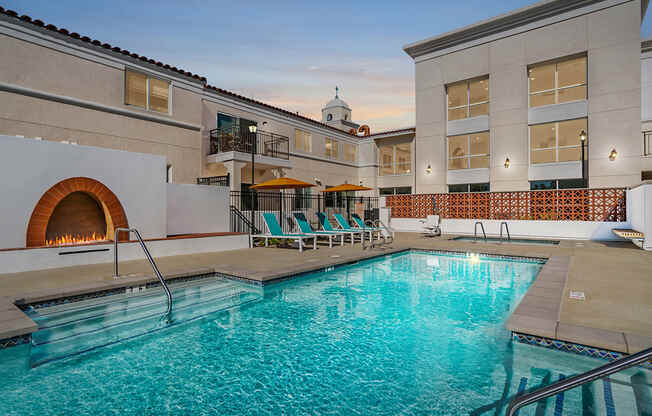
29,167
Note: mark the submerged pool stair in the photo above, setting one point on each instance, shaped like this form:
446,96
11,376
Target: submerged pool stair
628,391
76,327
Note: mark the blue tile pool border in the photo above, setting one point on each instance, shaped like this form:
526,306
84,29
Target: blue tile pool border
15,341
571,347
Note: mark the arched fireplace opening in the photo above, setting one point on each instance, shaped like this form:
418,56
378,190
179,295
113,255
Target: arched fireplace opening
76,211
78,218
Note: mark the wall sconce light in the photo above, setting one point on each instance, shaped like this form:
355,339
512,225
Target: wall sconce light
428,169
506,162
613,154
252,128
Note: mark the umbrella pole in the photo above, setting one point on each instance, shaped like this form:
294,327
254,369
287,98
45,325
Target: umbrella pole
280,211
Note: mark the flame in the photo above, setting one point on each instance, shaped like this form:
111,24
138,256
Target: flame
73,239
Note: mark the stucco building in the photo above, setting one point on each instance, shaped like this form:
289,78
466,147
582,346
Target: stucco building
62,86
501,104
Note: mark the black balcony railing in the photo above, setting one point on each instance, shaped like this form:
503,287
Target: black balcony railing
215,180
235,139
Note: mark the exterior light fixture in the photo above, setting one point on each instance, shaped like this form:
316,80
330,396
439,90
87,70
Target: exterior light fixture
507,162
252,128
613,154
428,169
583,135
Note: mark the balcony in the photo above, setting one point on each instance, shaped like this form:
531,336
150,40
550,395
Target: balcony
267,145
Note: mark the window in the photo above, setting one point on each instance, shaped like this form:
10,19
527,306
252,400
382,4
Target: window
168,174
350,152
329,117
468,99
557,142
146,92
395,159
468,151
468,187
400,190
557,184
646,175
647,143
303,141
330,148
557,82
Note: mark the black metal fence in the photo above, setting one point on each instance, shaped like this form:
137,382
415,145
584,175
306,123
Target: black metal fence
285,204
235,139
214,180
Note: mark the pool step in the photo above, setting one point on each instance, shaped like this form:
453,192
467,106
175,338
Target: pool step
65,331
625,393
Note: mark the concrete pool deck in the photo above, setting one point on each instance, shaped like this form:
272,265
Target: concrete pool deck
616,279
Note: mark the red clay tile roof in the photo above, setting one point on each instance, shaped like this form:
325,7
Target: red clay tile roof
109,48
403,130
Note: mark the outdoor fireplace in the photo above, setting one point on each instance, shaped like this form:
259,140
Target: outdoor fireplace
75,211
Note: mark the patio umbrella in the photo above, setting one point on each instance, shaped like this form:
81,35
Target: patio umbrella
347,187
280,184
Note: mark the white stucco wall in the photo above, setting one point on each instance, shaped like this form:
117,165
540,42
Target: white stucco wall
581,230
197,209
28,168
640,211
15,261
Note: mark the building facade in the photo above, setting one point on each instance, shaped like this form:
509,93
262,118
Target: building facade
512,103
58,85
554,95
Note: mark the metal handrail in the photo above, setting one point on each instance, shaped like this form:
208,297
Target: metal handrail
578,380
475,231
244,219
149,257
390,231
509,237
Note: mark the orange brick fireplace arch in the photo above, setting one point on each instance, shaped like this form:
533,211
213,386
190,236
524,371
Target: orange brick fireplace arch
38,222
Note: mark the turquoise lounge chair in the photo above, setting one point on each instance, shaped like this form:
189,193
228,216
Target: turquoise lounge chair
326,225
275,231
344,224
305,228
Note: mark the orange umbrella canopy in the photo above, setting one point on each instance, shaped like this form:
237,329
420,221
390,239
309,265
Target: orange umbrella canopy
282,183
347,187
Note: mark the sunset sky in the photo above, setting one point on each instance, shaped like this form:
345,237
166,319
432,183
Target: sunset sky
285,53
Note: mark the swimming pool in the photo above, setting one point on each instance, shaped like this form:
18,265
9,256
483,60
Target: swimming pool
411,333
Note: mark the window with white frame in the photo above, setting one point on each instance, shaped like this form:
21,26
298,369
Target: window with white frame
468,98
647,143
147,92
350,152
395,159
557,82
330,148
303,141
469,151
557,142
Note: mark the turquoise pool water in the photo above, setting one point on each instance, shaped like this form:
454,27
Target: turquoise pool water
412,334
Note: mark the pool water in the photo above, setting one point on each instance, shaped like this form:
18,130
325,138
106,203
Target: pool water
413,334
